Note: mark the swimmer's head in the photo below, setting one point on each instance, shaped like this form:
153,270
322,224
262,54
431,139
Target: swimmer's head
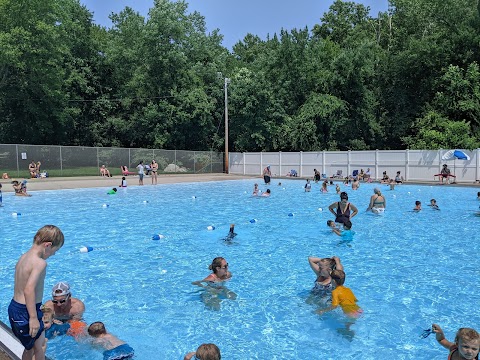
123,177
268,191
114,189
468,341
96,329
418,203
47,317
377,191
338,276
216,263
330,223
347,225
208,352
343,196
433,201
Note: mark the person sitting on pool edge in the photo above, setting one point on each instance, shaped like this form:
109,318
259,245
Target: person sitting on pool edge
466,345
115,349
205,352
65,307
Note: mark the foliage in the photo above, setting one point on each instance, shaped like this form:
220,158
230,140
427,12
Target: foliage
405,78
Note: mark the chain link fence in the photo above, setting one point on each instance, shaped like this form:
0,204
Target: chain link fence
84,161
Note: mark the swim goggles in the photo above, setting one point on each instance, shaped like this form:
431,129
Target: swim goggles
426,333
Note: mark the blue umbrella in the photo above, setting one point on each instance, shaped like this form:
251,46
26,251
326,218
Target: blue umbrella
455,154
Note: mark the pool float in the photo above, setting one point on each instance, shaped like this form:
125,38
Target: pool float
77,328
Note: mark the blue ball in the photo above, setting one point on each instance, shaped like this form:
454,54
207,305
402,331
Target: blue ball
290,214
253,221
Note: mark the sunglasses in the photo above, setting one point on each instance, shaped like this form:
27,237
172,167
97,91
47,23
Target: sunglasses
60,301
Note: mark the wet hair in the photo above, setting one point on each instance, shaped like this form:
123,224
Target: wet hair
96,329
268,191
329,222
208,352
347,224
433,200
47,311
377,191
338,276
216,263
49,233
418,202
343,195
467,334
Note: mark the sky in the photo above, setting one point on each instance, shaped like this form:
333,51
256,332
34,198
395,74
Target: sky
237,18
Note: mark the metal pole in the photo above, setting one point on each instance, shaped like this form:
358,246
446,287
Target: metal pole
227,80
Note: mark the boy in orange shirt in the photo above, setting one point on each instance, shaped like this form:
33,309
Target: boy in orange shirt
343,297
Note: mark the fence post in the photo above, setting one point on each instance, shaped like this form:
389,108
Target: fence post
211,161
376,165
477,174
280,163
244,161
98,160
324,162
348,163
407,165
194,162
175,160
18,165
261,162
301,164
61,161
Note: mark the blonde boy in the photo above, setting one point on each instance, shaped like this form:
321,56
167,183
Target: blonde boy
24,310
466,345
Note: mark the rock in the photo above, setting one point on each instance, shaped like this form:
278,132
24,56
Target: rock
172,168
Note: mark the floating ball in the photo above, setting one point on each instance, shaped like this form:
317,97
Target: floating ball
86,249
320,209
105,205
253,221
158,237
194,197
16,214
210,227
145,201
290,214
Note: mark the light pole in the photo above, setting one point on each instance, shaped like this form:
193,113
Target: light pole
227,81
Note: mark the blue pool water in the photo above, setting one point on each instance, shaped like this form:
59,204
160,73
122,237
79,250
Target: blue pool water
407,269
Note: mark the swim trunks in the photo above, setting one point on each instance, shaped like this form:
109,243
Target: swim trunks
19,321
121,352
266,178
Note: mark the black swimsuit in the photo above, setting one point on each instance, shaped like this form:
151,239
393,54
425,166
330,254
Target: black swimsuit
342,216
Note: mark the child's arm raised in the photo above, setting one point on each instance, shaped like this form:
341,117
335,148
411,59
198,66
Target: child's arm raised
441,337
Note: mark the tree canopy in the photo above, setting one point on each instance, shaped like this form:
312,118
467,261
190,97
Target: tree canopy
406,78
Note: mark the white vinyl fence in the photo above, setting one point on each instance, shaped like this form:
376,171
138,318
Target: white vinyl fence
414,165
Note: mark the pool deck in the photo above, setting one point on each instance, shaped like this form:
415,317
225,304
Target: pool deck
59,183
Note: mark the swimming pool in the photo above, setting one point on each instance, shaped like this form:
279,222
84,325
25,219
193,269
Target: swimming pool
407,269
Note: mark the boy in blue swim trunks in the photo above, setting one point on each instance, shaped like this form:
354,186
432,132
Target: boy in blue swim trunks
115,349
24,310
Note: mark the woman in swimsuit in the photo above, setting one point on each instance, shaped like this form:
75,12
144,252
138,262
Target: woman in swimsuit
377,201
324,285
220,273
154,167
343,209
